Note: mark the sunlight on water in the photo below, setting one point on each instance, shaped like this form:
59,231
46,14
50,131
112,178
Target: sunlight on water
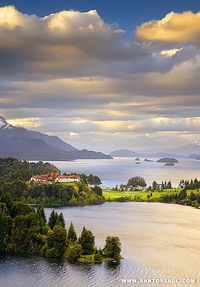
119,170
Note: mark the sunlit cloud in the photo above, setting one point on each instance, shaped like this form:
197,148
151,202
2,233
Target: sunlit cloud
73,75
170,52
29,123
177,28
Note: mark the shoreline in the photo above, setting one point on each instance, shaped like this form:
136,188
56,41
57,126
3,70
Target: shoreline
112,201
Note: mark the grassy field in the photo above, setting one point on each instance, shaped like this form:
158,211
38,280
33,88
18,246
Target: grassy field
113,195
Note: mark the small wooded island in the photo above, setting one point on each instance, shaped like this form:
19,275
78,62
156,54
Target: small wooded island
25,231
168,160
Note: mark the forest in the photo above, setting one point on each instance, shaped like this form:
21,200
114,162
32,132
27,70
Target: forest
25,230
15,178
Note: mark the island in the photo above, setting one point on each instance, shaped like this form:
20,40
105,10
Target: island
26,231
148,160
168,160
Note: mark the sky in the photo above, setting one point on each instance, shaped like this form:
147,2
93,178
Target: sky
103,76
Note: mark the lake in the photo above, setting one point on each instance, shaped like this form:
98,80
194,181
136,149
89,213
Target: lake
118,170
158,241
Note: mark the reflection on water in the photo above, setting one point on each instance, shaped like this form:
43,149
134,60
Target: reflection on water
158,240
23,272
119,170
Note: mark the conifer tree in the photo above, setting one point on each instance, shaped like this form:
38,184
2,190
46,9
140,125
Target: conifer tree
71,236
61,220
53,219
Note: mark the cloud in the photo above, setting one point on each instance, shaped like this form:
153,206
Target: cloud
72,44
73,75
68,43
176,28
170,52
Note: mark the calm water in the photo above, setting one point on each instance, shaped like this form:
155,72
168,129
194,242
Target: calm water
158,240
119,170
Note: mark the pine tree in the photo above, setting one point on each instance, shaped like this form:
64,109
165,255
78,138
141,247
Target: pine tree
154,185
169,185
41,218
71,235
61,220
87,241
53,219
113,247
41,213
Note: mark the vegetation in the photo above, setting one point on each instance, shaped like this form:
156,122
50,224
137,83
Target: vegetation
12,169
91,179
26,231
188,193
112,248
56,219
136,181
87,241
160,187
137,196
15,178
71,235
67,194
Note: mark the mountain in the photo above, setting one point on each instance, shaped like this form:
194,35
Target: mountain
8,131
130,153
125,153
195,156
30,145
31,149
187,150
166,154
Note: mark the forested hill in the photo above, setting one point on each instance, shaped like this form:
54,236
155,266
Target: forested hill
12,169
15,178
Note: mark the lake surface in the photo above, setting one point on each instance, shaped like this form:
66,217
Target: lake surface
119,170
158,241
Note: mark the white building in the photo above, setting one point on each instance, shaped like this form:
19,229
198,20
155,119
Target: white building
67,178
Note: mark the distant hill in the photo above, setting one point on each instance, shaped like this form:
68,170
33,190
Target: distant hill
130,153
187,150
30,145
195,156
124,153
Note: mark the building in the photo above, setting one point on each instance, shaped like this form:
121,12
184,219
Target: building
68,178
55,177
45,178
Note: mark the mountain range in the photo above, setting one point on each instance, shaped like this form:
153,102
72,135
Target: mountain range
130,153
31,145
190,150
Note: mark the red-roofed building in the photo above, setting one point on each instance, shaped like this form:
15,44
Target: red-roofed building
55,177
45,178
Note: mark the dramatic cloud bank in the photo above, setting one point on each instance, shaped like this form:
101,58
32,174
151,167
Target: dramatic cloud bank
175,28
73,75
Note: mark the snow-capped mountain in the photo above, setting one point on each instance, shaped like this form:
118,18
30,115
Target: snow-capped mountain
4,124
24,144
